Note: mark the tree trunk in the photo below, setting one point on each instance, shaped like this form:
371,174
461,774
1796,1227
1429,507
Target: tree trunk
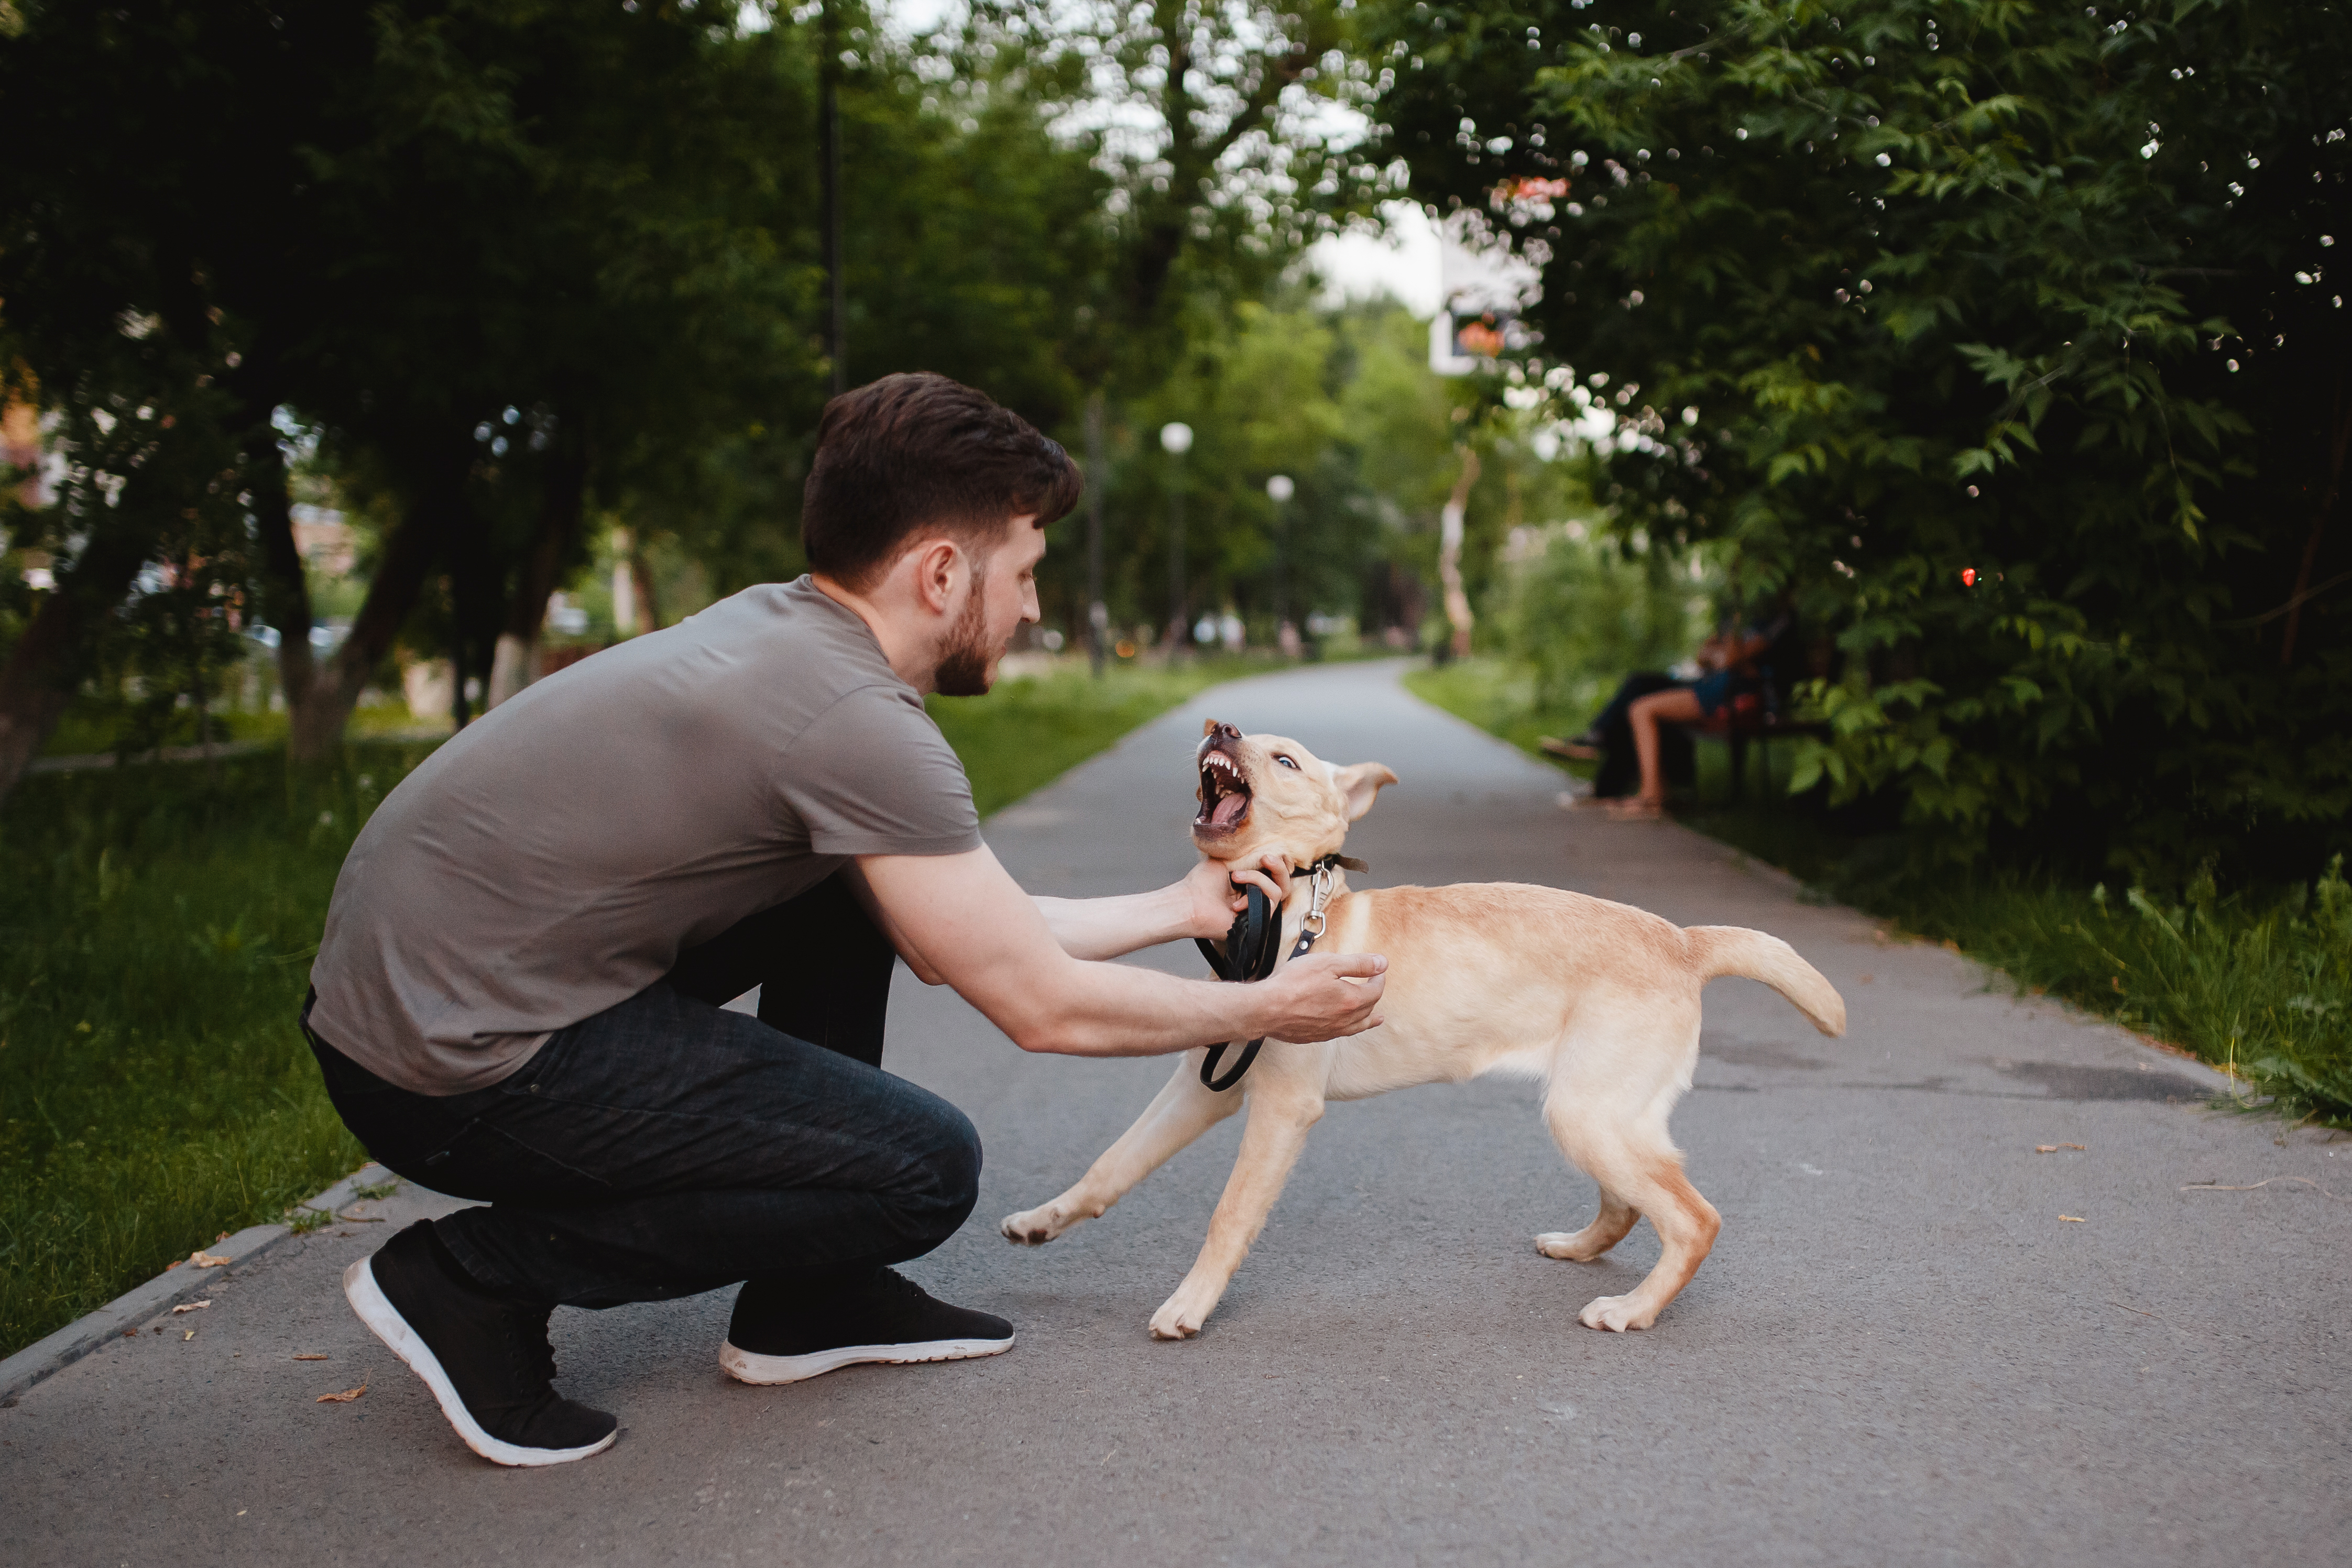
562,497
641,578
285,585
317,720
37,685
1449,555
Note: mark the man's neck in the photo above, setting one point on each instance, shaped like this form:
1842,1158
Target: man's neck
909,649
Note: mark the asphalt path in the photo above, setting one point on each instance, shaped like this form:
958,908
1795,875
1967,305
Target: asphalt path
1899,1352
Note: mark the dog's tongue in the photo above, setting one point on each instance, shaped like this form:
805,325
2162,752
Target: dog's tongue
1228,810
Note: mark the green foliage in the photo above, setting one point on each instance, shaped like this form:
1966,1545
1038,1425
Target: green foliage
156,936
1583,612
2004,334
1268,389
1498,695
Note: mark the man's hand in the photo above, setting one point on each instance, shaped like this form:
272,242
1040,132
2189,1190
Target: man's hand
1213,898
1323,996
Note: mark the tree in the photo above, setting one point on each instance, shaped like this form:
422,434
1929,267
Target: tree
2003,334
1213,120
415,226
134,146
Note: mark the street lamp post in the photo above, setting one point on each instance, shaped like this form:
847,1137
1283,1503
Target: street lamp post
1279,489
1176,439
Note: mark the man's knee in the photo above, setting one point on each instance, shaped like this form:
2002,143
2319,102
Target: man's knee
957,1162
938,1180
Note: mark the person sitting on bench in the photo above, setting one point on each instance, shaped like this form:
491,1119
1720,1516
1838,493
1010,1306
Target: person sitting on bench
1738,659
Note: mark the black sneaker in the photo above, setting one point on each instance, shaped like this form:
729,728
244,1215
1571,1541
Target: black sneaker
486,1360
780,1335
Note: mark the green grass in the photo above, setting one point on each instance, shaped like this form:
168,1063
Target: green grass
2258,984
99,725
155,932
1499,697
156,928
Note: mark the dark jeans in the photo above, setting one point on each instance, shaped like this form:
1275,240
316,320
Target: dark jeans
665,1147
1620,770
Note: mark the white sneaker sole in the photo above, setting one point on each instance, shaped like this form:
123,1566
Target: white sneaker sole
744,1366
376,1311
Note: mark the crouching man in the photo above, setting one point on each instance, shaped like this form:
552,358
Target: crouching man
518,995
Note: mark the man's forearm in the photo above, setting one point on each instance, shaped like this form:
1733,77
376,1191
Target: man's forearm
1023,962
1109,927
1118,1009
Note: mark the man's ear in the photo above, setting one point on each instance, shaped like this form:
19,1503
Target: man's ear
1358,785
933,572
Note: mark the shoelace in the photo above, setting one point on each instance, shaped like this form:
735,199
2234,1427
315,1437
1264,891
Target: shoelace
891,1286
534,1355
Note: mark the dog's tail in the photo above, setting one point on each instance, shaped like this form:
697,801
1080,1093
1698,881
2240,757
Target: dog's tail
1736,950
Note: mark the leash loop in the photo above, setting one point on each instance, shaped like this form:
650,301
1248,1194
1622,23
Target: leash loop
1250,949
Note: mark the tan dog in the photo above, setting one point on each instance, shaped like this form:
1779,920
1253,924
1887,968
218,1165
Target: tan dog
1599,1001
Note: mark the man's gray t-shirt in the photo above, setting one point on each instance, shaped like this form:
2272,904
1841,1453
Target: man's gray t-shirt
554,857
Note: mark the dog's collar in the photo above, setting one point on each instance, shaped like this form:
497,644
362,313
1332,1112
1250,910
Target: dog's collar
1345,863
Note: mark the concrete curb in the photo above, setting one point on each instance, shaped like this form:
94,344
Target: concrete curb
143,1304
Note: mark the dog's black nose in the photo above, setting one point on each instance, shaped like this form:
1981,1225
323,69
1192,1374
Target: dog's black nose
1227,732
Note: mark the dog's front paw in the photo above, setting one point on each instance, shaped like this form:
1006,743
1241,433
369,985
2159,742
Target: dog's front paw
1174,1319
1617,1313
1034,1227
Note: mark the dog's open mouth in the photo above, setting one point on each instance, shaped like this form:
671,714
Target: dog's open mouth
1225,794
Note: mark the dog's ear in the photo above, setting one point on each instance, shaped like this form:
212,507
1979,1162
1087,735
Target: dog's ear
1208,727
1358,785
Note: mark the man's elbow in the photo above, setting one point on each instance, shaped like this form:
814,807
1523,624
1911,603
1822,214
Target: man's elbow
1046,1036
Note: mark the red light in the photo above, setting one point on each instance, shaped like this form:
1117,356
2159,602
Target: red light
1968,576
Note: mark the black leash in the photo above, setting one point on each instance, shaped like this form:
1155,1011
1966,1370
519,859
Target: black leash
1251,948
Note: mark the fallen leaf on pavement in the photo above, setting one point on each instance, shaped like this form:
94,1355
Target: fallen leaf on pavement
2054,1148
310,1358
2074,1219
347,1395
190,1306
204,1259
187,1336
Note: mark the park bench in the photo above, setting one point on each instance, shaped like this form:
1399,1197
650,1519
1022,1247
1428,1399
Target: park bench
1744,720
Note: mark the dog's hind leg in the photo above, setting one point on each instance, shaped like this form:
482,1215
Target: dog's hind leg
1611,1225
1640,1172
1183,1110
1608,1113
1280,1115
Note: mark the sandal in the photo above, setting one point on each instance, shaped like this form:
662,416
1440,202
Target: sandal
1633,808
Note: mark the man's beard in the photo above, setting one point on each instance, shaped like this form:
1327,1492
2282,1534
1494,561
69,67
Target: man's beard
963,667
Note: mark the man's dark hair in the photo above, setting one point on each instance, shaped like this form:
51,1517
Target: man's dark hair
917,452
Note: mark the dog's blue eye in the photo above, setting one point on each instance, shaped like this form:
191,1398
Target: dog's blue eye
1287,763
